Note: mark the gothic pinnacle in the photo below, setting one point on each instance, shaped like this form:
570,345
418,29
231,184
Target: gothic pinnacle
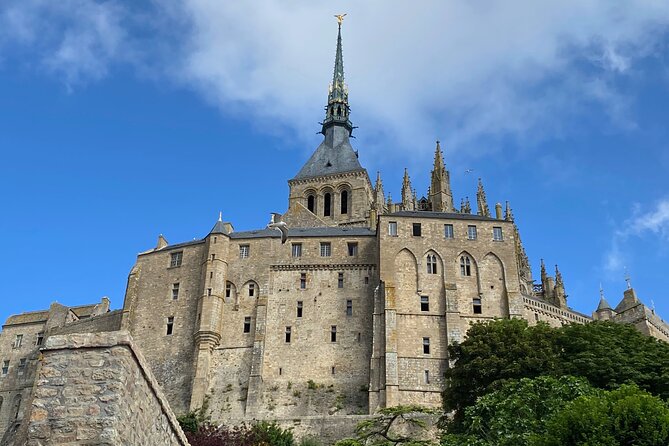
481,201
509,213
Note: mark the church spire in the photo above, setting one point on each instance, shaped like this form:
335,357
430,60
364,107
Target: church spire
440,196
337,110
407,192
379,197
481,201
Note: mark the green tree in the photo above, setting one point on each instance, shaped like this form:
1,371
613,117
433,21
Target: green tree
400,425
625,416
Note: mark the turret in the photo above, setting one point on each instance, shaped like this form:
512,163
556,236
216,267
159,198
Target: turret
440,196
604,312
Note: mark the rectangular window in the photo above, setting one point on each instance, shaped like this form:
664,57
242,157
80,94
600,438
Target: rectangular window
416,230
366,280
296,249
288,332
303,281
497,234
208,291
427,377
300,306
252,289
18,341
392,228
424,303
243,251
22,364
40,339
5,367
333,333
175,290
471,232
349,307
176,258
326,249
476,304
426,346
352,249
448,231
333,370
213,257
228,289
170,325
247,324
340,280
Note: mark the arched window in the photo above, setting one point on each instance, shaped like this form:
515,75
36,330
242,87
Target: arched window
327,201
465,266
431,264
344,202
311,203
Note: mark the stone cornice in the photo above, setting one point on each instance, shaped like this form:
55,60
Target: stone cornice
323,266
352,173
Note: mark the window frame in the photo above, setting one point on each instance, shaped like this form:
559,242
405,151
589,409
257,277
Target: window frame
392,229
333,334
5,366
349,307
477,305
416,229
326,249
472,232
352,249
340,279
176,259
288,334
170,326
244,251
448,231
424,303
299,309
296,250
497,234
175,290
426,345
247,324
431,264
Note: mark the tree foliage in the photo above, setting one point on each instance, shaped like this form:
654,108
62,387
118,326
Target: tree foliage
262,433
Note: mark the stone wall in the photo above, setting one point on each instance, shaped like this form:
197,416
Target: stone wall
96,388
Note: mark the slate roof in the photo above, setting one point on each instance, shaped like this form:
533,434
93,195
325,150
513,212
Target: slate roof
334,155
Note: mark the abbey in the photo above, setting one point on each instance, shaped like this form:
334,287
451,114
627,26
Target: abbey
352,314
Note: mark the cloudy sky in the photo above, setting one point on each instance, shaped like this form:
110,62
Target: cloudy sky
121,121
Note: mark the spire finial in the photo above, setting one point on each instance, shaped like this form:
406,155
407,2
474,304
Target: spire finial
601,291
481,201
628,279
337,110
220,215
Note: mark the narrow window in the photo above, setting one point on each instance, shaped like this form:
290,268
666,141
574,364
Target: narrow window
17,406
476,304
340,280
303,281
211,274
392,228
280,370
215,239
170,325
448,231
176,258
352,249
366,280
40,339
426,346
333,333
5,367
416,230
359,336
327,202
297,249
288,332
18,341
424,303
465,266
175,290
311,203
497,234
344,202
300,306
243,251
247,324
349,307
431,264
325,249
252,289
228,289
536,317
333,370
213,257
471,232
22,364
427,377
208,291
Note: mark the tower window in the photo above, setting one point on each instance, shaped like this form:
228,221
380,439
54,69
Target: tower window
344,202
352,249
176,259
325,249
228,289
431,264
340,280
349,307
426,346
497,234
5,367
213,257
247,324
327,204
208,291
243,251
175,290
465,266
22,364
311,203
170,325
392,228
288,333
40,339
300,306
448,231
476,305
252,289
416,230
424,303
18,341
427,377
471,232
303,281
333,333
296,249
333,370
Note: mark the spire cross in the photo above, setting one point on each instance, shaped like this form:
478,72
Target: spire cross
601,291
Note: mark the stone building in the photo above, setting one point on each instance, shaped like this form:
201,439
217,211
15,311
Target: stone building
352,314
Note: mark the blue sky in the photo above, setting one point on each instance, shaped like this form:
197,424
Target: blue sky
120,122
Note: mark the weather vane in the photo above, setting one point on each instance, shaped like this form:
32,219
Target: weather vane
340,18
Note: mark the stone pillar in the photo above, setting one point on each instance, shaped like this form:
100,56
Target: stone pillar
392,397
254,395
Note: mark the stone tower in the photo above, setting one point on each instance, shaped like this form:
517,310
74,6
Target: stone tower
440,197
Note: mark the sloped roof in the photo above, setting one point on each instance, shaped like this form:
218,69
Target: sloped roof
334,155
31,317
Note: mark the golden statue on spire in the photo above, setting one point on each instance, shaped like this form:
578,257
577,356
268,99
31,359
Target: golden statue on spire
340,18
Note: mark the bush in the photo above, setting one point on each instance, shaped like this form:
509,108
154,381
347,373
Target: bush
262,433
